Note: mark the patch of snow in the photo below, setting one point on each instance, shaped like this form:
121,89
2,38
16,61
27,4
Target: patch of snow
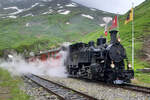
16,8
93,9
28,15
104,12
65,12
20,10
11,8
34,5
4,17
41,5
46,0
87,16
74,3
31,7
71,5
102,25
58,4
62,10
17,12
49,12
67,23
107,19
60,7
45,13
27,24
12,17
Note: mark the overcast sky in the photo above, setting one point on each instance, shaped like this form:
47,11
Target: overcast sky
114,6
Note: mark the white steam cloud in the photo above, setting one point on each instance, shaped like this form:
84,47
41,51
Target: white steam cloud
51,67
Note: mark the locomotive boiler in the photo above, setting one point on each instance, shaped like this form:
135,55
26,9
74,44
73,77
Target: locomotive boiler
100,61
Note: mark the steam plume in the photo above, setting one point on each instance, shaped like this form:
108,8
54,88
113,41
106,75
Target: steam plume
51,67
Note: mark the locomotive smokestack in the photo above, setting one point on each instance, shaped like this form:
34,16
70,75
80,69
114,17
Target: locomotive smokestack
113,35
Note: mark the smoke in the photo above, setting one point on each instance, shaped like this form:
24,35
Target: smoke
17,65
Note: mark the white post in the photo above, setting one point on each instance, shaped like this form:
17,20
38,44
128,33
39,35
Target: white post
118,21
118,24
133,38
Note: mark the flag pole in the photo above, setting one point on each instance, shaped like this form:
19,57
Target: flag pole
118,21
118,24
133,37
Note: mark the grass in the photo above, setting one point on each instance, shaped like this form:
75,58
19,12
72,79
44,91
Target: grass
142,30
12,85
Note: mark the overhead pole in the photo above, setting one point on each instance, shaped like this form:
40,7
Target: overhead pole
118,24
133,36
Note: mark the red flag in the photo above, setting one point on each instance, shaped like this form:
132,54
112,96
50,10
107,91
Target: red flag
114,23
105,33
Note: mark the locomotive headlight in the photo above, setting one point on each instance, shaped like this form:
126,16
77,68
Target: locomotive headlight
129,65
119,40
112,65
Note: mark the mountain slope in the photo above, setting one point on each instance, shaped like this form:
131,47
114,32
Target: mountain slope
39,24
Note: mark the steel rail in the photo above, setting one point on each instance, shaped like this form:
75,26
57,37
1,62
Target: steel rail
137,88
63,92
127,86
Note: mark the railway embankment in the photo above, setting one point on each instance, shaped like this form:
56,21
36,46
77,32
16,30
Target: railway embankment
100,91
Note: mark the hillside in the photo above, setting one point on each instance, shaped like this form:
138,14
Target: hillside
33,25
142,34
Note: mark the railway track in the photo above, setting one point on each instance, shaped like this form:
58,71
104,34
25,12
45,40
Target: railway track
126,86
136,88
131,87
63,92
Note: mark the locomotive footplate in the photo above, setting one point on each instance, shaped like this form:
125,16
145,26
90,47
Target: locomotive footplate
123,76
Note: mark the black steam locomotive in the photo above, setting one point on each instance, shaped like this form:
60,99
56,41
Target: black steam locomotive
101,62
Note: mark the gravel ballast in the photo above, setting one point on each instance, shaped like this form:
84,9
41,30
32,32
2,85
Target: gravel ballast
99,91
36,92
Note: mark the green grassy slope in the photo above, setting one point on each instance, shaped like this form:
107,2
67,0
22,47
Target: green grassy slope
142,30
43,31
10,87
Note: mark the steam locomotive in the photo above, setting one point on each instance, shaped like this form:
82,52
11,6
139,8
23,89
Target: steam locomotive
101,62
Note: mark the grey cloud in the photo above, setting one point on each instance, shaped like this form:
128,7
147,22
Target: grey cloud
114,6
